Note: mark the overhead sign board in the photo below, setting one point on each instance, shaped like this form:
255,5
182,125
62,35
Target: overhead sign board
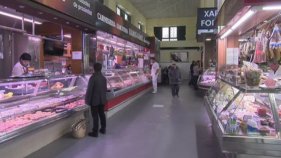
82,10
206,20
109,21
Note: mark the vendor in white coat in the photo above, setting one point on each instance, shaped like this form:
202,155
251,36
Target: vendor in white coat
21,67
154,74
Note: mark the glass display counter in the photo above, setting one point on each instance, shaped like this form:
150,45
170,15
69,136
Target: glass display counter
120,81
245,119
207,79
27,104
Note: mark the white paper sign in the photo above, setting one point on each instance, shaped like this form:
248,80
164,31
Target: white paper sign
77,55
140,63
232,56
146,57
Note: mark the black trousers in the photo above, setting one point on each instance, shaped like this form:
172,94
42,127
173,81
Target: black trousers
175,89
194,82
98,114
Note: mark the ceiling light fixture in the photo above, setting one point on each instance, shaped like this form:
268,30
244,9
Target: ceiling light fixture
243,19
226,33
208,39
277,7
19,17
67,35
238,23
242,40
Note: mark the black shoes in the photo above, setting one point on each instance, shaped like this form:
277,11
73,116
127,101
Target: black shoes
102,131
93,134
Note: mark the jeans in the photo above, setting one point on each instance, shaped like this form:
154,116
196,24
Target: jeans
98,113
175,89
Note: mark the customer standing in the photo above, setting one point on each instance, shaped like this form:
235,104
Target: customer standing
154,74
175,79
191,72
196,72
96,99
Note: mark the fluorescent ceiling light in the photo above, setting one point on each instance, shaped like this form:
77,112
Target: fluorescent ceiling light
100,38
67,35
242,40
226,33
34,39
208,39
19,17
274,7
243,19
238,23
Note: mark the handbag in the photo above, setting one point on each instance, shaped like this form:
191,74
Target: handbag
79,129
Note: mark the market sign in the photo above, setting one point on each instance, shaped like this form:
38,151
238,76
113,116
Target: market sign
206,20
110,22
99,16
82,10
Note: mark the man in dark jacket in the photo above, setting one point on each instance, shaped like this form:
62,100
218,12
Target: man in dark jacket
174,79
96,99
191,72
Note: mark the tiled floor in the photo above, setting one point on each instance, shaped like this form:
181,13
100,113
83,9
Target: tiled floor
154,126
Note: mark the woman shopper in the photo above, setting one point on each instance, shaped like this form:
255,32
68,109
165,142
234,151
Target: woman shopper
175,79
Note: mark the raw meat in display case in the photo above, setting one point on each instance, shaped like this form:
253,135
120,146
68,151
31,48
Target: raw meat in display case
25,110
207,79
243,115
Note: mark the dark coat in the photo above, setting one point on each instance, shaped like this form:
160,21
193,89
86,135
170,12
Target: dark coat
174,75
96,91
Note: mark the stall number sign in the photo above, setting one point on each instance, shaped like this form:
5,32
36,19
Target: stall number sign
206,18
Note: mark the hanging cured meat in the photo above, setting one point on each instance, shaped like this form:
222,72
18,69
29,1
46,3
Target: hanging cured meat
268,51
260,55
275,41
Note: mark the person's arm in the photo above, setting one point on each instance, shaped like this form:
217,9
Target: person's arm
179,75
157,70
88,95
169,73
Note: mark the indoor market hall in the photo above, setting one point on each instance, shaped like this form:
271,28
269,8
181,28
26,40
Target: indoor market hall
140,78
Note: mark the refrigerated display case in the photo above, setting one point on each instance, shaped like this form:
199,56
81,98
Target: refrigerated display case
207,79
246,120
29,104
123,85
120,81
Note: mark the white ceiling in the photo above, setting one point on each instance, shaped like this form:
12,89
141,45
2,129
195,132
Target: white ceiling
167,8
